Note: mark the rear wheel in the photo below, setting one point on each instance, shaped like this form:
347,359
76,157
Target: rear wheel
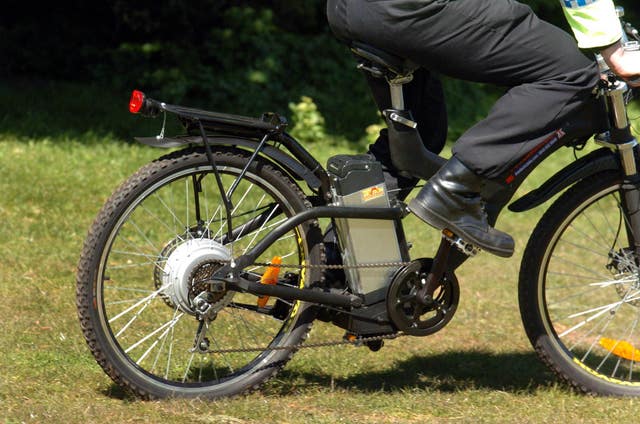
580,290
140,290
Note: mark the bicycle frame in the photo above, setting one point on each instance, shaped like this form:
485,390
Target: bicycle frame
408,155
620,143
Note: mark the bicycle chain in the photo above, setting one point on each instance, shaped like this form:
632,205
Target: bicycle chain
356,342
464,247
326,266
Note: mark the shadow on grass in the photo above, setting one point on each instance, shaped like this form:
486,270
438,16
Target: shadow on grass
116,392
447,372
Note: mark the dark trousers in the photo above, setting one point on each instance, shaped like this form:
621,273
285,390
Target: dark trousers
490,41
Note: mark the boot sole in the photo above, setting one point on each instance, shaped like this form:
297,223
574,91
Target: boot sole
440,223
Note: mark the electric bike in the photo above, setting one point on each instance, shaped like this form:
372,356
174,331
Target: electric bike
202,274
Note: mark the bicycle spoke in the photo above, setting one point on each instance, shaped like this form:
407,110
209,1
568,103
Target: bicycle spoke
161,234
580,288
164,326
160,338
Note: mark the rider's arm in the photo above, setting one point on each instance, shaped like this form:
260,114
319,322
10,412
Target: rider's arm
594,22
595,25
625,64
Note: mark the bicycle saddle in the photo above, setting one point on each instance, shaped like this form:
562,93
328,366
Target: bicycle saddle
377,59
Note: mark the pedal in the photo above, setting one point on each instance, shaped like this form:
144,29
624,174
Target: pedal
468,249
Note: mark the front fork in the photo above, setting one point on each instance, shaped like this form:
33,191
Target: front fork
626,146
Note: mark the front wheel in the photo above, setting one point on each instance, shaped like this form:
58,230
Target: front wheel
579,289
148,315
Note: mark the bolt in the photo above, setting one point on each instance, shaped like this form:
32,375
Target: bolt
203,346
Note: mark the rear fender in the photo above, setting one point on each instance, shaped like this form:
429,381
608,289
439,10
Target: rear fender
289,164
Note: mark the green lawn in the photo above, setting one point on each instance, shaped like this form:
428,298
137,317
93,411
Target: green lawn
480,368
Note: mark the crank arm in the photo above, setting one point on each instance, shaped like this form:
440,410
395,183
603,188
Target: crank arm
431,281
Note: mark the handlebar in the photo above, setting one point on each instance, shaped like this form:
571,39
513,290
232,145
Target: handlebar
630,41
631,31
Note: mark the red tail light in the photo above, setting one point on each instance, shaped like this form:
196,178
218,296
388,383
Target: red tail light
136,101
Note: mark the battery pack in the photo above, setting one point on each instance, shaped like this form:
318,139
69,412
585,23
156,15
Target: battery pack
358,181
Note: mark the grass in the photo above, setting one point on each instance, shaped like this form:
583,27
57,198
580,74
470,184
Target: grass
480,368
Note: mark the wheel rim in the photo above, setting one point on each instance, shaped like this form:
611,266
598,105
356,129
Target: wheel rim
150,325
589,291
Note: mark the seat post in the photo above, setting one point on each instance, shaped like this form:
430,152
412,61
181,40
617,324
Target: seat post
395,87
397,96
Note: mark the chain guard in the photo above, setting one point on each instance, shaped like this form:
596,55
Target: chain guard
413,317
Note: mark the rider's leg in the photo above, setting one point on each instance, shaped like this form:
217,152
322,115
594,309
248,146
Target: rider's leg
424,97
486,41
452,200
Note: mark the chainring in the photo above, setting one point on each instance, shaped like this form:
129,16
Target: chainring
421,318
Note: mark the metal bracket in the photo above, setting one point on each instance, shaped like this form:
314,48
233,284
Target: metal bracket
376,72
402,120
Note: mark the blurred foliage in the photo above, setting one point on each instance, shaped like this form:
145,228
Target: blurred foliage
242,57
308,122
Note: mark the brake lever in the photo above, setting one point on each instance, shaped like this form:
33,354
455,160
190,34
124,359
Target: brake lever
631,31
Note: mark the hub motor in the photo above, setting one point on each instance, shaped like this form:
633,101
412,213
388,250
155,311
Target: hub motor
183,266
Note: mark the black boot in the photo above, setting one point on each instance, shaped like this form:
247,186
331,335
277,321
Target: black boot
451,199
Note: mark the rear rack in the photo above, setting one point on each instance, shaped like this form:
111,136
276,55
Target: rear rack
195,120
226,123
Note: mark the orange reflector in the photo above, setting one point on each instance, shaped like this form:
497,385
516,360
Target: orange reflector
447,232
270,277
621,348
